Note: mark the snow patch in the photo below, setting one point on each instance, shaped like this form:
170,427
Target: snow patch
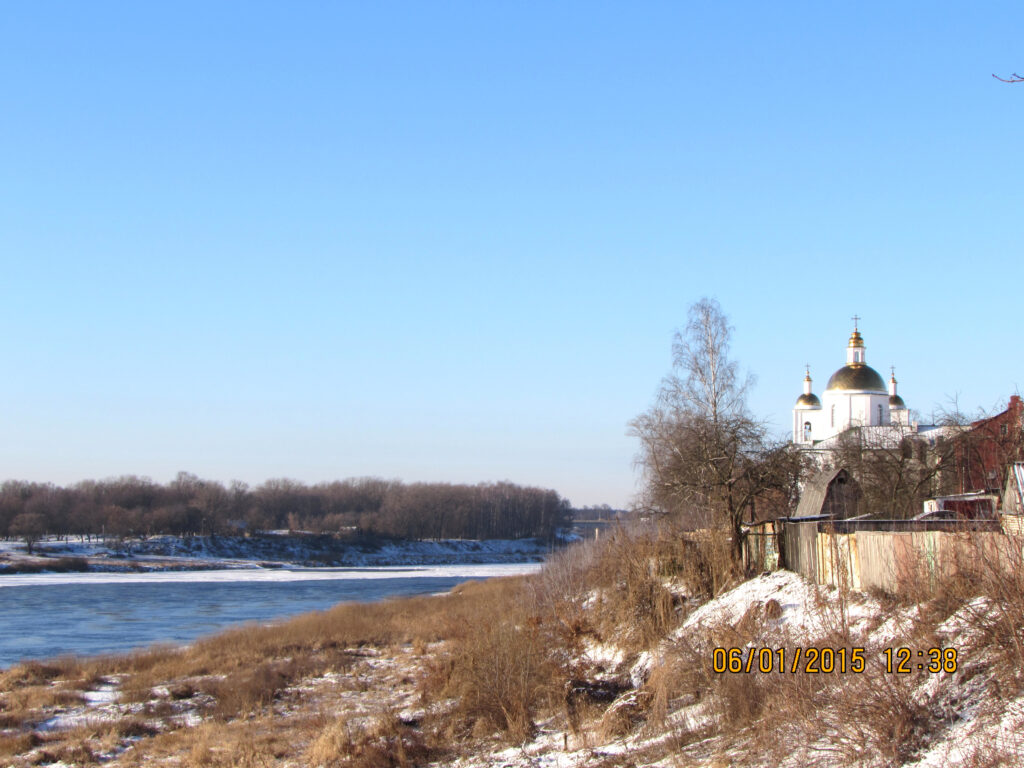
271,575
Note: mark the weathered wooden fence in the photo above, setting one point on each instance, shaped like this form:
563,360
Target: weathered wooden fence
761,547
894,556
800,548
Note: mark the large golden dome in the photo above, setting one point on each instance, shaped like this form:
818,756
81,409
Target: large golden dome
857,376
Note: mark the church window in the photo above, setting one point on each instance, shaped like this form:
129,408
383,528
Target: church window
807,431
833,416
879,414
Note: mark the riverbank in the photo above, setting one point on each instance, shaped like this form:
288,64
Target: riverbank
629,651
124,611
469,679
270,550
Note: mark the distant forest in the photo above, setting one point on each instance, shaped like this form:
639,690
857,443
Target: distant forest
132,506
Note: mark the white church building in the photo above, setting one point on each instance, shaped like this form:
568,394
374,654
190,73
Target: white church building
855,396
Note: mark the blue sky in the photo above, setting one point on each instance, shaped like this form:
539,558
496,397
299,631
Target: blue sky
452,241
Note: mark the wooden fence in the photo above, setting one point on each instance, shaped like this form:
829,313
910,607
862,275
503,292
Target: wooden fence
900,556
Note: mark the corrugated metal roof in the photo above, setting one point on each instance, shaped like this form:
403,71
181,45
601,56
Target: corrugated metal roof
887,436
814,493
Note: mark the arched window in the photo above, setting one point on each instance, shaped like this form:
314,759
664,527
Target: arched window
807,431
879,413
833,416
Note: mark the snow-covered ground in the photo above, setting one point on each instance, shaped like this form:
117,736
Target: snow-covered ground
972,722
221,552
256,574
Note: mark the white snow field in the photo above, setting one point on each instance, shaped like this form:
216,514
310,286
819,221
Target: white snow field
268,575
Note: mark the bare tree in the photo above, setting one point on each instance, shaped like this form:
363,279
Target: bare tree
705,458
704,380
896,470
1014,78
31,526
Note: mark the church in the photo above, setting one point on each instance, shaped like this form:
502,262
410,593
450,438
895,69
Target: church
855,396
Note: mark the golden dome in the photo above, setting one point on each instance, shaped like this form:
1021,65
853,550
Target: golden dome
857,376
895,401
808,401
856,340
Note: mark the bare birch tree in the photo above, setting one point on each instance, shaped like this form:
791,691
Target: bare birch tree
705,457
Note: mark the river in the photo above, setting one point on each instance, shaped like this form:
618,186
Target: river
50,614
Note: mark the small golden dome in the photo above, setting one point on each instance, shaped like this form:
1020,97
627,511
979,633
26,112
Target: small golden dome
895,401
808,401
856,340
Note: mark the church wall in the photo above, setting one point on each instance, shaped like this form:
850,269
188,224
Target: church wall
867,412
843,409
818,425
851,409
860,410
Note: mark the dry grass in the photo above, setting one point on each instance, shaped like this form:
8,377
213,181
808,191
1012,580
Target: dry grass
254,689
385,742
618,587
244,673
502,675
491,660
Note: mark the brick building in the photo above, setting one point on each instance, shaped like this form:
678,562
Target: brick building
988,447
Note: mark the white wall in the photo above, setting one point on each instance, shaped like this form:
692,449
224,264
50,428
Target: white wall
852,409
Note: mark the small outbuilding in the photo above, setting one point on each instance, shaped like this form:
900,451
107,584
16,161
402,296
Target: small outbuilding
833,493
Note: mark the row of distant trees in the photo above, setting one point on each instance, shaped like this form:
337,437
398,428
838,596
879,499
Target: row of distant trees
133,506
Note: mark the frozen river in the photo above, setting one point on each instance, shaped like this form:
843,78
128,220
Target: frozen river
44,615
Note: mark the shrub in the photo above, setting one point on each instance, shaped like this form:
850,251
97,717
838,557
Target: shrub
385,743
501,674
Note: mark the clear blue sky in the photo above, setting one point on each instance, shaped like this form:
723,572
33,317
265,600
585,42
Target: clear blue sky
451,241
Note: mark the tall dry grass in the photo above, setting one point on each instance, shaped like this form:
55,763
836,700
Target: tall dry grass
384,742
631,586
506,654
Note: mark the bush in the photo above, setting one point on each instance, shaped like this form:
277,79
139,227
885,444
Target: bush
69,565
254,689
386,743
501,674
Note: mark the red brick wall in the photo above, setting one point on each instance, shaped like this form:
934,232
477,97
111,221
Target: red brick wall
985,450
